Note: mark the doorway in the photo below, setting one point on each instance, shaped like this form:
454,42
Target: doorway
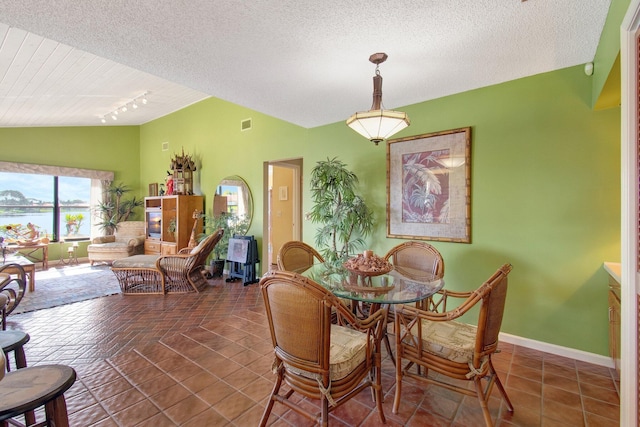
283,206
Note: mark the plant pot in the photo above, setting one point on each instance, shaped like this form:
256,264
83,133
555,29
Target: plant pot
217,267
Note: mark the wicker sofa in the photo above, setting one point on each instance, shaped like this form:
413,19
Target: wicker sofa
128,240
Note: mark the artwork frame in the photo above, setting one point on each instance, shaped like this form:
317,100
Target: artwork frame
429,186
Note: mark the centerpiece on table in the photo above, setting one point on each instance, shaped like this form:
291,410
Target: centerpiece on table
363,267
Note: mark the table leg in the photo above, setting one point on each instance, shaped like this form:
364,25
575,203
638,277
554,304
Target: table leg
31,270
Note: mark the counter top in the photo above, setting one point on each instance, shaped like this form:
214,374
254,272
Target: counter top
614,269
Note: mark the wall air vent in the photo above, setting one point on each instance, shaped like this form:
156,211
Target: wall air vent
165,146
245,125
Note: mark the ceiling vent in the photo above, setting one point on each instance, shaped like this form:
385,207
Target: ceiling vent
245,125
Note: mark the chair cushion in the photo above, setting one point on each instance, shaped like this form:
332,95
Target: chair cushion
348,350
198,246
137,261
451,340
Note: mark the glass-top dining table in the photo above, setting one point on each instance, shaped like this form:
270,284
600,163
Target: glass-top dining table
401,285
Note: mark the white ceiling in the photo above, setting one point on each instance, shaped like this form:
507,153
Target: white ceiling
69,62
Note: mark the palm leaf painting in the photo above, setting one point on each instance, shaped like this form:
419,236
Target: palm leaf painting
425,188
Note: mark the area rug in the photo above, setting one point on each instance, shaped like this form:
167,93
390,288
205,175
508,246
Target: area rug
69,284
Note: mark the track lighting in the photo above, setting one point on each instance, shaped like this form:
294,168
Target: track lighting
134,104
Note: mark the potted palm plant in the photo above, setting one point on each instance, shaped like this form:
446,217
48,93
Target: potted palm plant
115,208
343,216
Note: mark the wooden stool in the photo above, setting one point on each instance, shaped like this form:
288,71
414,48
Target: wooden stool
24,390
14,341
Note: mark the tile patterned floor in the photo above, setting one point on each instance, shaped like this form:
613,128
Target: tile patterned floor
205,360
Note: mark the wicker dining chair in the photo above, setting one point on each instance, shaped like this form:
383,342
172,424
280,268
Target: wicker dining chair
313,357
183,272
297,256
435,341
418,255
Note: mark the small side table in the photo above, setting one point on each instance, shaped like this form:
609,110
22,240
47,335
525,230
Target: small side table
72,254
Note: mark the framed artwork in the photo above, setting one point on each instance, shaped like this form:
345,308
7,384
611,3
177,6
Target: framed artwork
284,193
429,186
238,250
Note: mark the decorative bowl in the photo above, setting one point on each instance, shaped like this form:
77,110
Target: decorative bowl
367,265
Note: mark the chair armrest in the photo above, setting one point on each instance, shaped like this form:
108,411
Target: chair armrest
104,239
438,302
172,262
185,251
346,317
439,313
136,241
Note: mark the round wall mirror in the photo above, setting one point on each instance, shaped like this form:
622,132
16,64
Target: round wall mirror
233,196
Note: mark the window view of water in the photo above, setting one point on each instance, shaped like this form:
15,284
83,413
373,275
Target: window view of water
29,198
44,220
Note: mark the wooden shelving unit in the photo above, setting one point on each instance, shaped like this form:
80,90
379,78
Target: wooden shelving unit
160,211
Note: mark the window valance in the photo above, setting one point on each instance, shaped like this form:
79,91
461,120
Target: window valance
55,170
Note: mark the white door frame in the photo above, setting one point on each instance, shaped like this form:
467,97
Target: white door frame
630,29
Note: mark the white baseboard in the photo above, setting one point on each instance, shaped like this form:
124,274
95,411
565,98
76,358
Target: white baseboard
572,353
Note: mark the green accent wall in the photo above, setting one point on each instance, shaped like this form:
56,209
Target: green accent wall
545,197
113,148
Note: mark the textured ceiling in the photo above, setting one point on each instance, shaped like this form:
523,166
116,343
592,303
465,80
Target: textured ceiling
71,62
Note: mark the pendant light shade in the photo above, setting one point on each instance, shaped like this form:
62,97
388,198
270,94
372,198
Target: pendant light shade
378,124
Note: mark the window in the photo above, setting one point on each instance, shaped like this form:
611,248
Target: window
45,195
58,205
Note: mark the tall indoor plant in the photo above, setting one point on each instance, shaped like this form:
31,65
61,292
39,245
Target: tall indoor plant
343,216
114,208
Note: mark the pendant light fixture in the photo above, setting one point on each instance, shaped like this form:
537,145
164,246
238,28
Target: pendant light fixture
378,124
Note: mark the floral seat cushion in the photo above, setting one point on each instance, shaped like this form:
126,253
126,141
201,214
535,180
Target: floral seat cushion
454,341
348,350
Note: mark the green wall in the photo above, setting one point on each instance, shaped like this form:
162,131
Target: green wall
545,189
103,148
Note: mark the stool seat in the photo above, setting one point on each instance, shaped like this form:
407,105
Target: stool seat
14,341
10,340
26,389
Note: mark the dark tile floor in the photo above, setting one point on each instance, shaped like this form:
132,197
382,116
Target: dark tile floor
205,360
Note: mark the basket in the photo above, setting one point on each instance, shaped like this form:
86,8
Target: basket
369,273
